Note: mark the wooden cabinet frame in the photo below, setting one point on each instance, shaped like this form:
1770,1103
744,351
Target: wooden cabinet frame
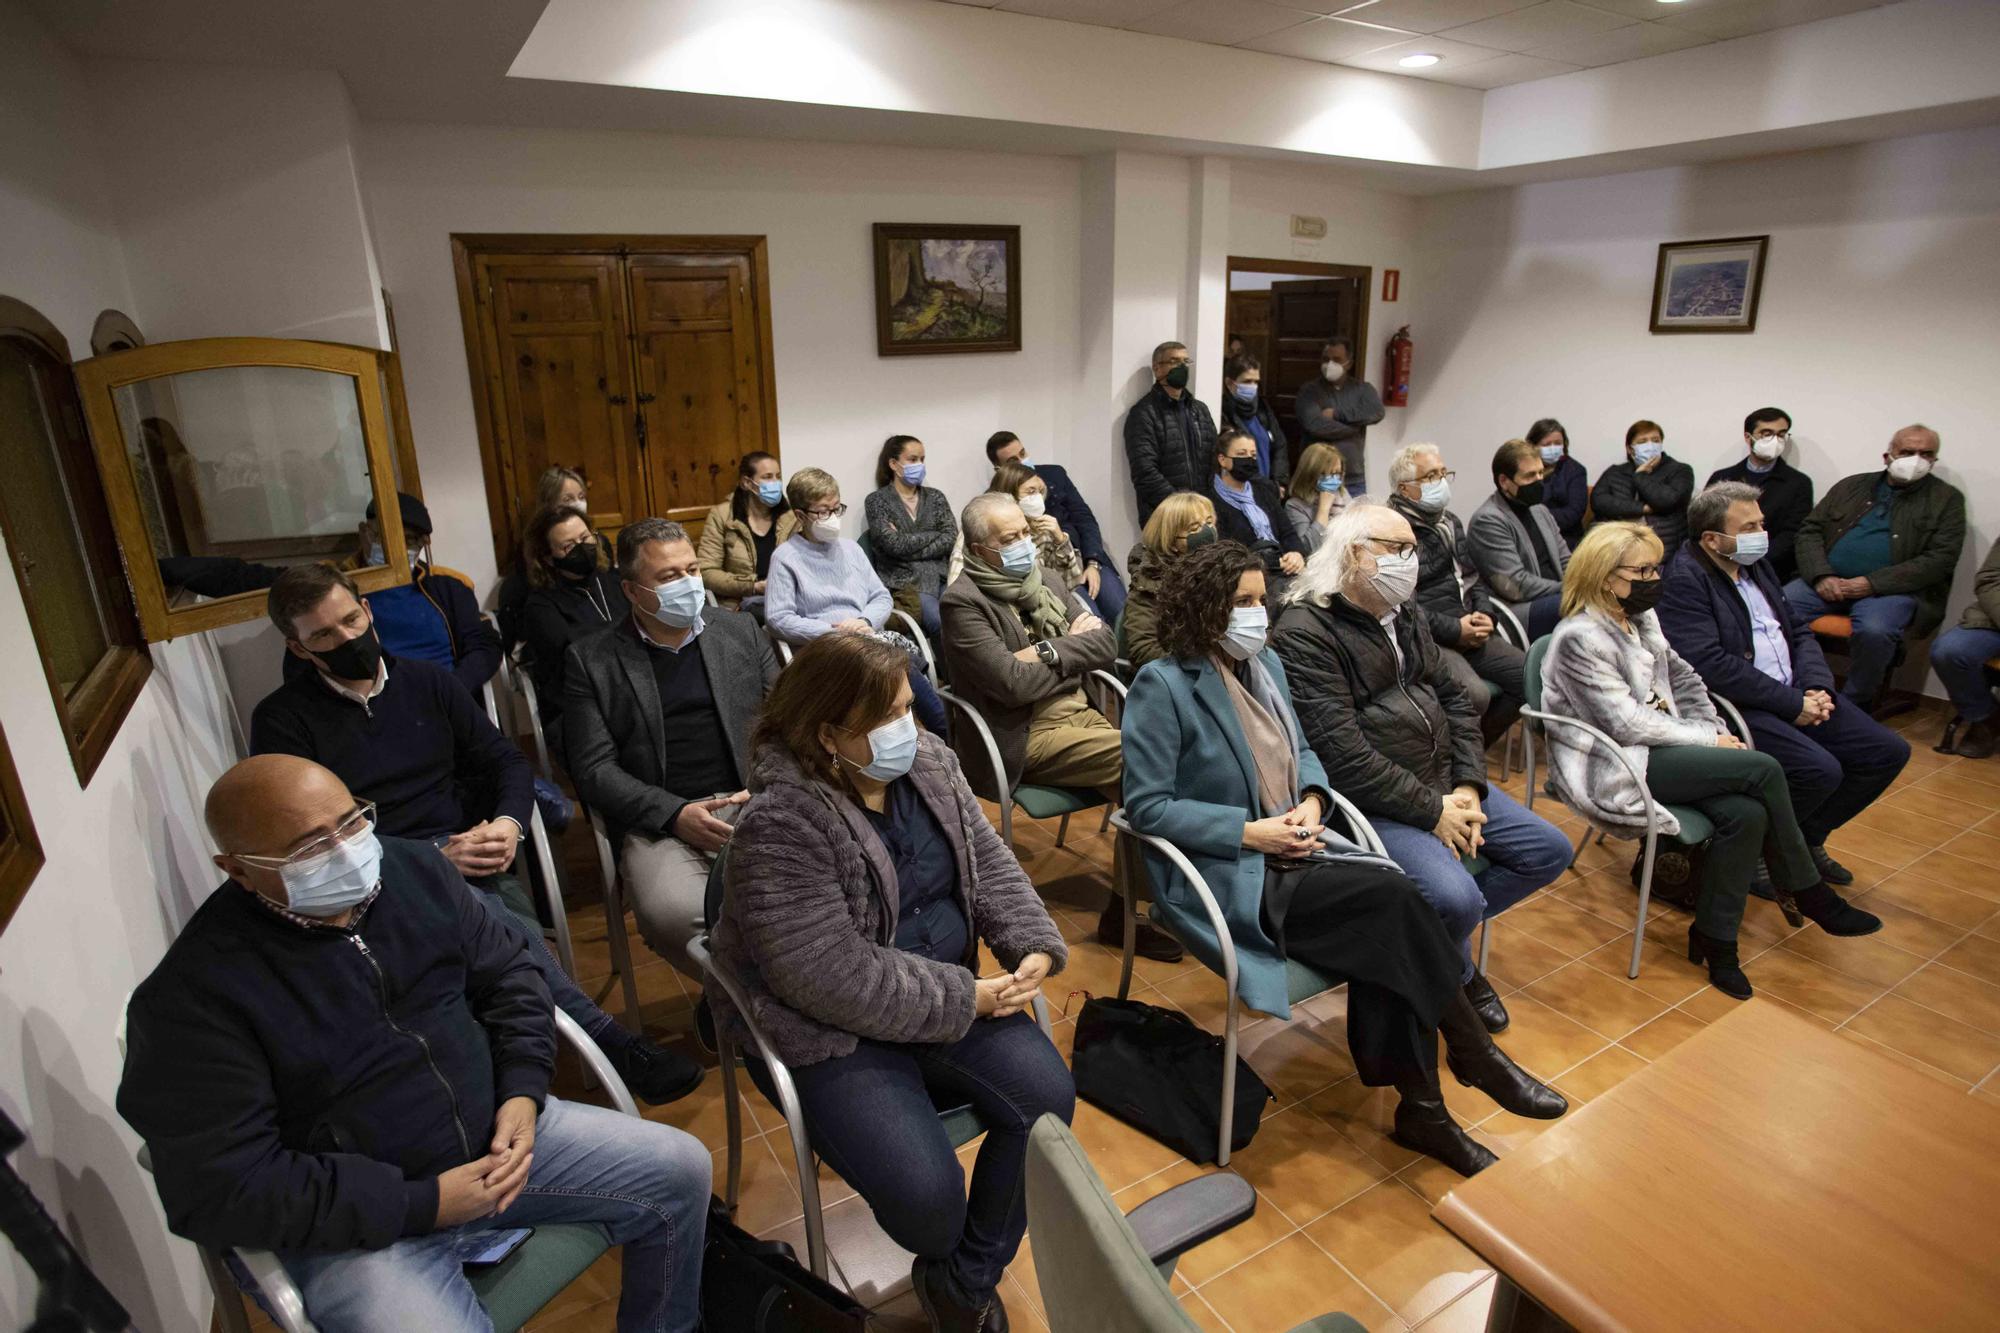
20,847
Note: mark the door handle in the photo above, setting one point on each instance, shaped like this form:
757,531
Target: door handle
616,400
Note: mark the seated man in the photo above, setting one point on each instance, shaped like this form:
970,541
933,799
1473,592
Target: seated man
1960,656
1880,549
1722,609
1450,595
368,1113
1018,650
1399,736
663,703
399,733
433,617
1515,543
1067,506
1784,494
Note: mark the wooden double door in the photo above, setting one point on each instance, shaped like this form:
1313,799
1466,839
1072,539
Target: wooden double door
642,362
1289,324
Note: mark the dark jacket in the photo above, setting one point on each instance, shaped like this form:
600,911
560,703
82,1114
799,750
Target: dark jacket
1448,587
1232,526
1703,616
1566,492
1393,740
1169,446
557,616
1234,417
1067,506
1623,492
301,1087
1983,612
614,731
1786,498
1926,534
910,552
808,922
1138,623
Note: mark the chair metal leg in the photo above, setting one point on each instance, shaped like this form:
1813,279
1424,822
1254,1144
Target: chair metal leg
1062,829
1007,822
1131,938
621,953
229,1297
1645,897
1485,943
1226,1127
1105,823
732,1120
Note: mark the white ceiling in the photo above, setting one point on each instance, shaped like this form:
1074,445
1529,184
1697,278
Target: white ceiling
1483,43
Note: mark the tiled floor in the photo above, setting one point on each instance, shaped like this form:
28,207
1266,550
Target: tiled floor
1343,1218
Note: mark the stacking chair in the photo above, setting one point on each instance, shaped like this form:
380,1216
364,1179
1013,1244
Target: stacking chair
1105,1271
511,1292
546,867
615,933
1836,634
1038,800
1510,628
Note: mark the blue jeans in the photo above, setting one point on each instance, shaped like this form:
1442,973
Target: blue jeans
1959,657
1110,597
646,1184
927,615
1835,770
1524,852
1879,623
873,1115
506,900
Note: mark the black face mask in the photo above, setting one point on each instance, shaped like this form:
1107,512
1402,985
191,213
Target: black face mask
357,659
1645,595
1201,537
1531,494
1177,378
1242,468
579,560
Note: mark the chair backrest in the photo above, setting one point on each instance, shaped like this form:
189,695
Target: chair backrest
1094,1274
711,900
1531,672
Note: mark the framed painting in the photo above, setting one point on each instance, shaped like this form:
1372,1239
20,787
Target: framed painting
1709,286
942,288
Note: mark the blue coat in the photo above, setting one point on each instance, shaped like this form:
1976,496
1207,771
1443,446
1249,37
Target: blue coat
1068,507
1704,618
1189,779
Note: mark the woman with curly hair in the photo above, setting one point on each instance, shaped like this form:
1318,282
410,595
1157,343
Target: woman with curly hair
1216,763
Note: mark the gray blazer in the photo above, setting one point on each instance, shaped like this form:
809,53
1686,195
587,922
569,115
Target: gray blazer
614,731
1498,542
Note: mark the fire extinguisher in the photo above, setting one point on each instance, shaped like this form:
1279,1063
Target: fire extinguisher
1396,383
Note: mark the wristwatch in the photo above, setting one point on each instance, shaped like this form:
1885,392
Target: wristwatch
1047,652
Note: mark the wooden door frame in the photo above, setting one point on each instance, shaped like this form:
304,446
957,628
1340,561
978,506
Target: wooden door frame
468,247
1307,268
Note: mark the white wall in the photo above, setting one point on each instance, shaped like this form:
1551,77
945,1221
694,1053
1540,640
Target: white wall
126,858
1881,306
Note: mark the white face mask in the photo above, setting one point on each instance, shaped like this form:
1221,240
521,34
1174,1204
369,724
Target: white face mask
1333,371
826,530
1395,578
1034,504
1249,626
1909,468
1768,449
336,879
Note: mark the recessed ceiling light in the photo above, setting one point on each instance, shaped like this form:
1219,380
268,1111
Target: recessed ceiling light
1419,60
1670,2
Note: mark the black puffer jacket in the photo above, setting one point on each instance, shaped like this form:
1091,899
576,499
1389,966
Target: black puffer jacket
1447,585
1169,446
1393,739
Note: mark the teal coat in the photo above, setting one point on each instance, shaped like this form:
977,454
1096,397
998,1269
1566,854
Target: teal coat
1189,779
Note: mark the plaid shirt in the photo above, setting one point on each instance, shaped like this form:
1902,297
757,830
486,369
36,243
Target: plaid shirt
316,923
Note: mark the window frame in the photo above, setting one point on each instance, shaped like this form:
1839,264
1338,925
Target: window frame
92,714
21,856
98,380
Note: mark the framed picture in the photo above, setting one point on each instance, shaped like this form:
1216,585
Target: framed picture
1709,286
946,288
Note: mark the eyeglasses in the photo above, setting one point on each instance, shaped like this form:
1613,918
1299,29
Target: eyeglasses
1401,550
1441,474
1644,573
350,829
838,511
1781,436
564,548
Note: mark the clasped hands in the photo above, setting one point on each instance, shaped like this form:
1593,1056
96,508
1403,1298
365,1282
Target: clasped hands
1832,588
1818,708
1009,993
490,1184
1292,835
1460,821
484,849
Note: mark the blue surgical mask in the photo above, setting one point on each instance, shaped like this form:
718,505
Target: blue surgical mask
893,746
772,493
681,602
1246,394
1249,626
1647,452
1751,547
1330,482
1552,454
1436,495
335,880
377,556
1018,558
913,474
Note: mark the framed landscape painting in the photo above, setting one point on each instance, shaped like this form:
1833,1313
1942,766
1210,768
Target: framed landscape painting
946,288
1709,286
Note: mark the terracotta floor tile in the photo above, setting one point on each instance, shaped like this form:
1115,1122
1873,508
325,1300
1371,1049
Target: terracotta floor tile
1517,957
1945,1043
1289,1283
1939,902
770,1194
1936,805
1905,823
1599,1074
1606,893
1884,848
1023,1310
1990,1090
1265,1228
1611,1006
1387,1239
701,1113
1304,1166
599,1318
1664,971
1906,929
1562,926
1956,995
1976,955
1868,957
1662,1034
1981,847
1296,1059
1120,1153
1809,985
1545,1042
1467,1314
1978,878
1504,1132
1203,998
1365,1116
1705,1006
1891,1053
1965,782
1202,1313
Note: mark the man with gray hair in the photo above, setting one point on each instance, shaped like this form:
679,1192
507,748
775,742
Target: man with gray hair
658,712
1880,549
1169,435
1722,609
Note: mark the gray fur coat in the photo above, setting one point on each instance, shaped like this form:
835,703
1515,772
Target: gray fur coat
1600,674
808,921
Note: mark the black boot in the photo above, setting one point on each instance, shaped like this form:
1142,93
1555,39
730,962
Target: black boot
1148,942
1477,1063
1424,1125
655,1074
946,1304
1978,738
1724,972
1834,914
1486,1003
1830,870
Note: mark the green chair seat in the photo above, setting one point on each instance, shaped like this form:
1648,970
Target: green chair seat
961,1125
513,1291
1695,826
1331,1323
1302,983
1052,802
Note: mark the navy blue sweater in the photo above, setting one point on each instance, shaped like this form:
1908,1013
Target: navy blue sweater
1703,616
301,1087
421,749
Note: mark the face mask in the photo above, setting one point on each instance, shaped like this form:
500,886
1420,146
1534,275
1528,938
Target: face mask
1034,506
1200,537
1751,547
772,493
1245,393
681,601
826,529
1330,482
1333,371
357,659
1395,578
1248,628
1645,595
1767,449
1531,494
1909,468
1643,454
1436,495
913,474
335,880
893,747
580,560
1242,468
1552,454
377,556
1177,378
1017,558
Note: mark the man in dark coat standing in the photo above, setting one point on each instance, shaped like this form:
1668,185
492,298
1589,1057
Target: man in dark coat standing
1169,435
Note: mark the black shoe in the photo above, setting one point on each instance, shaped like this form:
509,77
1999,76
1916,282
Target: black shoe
655,1074
996,1316
1834,914
1760,883
1479,992
945,1303
1148,942
1724,972
1477,1063
1830,870
1975,742
1423,1125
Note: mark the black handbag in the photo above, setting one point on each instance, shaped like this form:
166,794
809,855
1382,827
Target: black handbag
1159,1073
1677,871
759,1286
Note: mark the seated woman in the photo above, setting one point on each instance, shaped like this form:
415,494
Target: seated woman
862,878
572,593
1318,492
1202,722
556,486
1250,510
912,529
1183,522
821,583
1609,665
741,533
1060,563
